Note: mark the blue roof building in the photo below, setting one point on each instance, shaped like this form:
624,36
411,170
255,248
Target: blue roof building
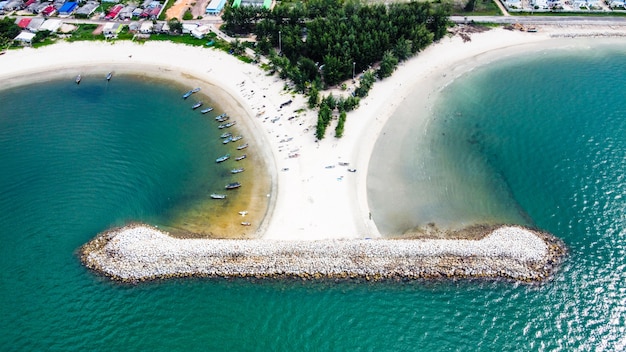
67,8
215,7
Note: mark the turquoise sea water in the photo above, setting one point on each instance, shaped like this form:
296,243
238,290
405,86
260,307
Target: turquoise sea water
551,139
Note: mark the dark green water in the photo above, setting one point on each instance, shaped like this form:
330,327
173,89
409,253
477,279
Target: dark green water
552,140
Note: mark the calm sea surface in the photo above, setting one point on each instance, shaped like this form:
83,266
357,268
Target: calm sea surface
543,135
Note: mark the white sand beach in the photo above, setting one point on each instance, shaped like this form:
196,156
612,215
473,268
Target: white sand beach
308,200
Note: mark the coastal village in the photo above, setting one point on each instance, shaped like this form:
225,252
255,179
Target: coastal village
151,16
113,17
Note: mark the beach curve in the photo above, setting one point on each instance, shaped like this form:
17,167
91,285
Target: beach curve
311,199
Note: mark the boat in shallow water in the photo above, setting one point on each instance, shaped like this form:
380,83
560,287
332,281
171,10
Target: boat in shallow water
233,185
241,157
204,111
197,105
243,146
218,196
109,76
78,79
226,135
222,158
189,93
236,171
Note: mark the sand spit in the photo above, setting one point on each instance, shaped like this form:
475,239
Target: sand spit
139,252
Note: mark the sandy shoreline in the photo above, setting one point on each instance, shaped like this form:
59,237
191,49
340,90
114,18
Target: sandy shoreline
309,199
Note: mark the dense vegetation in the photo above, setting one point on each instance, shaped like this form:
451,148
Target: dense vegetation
322,43
327,39
8,31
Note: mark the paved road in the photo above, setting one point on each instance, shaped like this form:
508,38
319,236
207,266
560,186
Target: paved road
537,20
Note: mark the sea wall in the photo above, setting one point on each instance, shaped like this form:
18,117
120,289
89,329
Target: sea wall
139,252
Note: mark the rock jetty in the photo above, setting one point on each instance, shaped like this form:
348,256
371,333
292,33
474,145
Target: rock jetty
140,252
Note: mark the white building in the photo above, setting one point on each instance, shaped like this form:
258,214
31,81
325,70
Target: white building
26,38
200,32
146,27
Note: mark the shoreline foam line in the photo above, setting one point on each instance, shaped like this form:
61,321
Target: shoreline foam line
139,252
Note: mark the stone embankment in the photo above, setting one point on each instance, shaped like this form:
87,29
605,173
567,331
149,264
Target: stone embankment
139,252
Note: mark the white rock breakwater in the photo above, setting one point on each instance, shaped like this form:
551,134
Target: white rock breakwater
139,252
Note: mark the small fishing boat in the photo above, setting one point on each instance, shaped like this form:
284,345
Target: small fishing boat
226,135
220,116
236,171
245,223
218,196
222,158
197,105
109,76
204,111
227,140
243,212
352,170
236,138
233,185
78,79
223,118
189,93
243,146
241,157
226,125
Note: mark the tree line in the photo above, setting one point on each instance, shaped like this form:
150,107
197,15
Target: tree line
321,43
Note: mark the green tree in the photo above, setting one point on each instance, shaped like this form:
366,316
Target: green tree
314,97
40,36
330,101
188,15
387,65
340,124
8,31
175,25
402,50
320,129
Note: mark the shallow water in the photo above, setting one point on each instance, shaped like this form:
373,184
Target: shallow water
54,197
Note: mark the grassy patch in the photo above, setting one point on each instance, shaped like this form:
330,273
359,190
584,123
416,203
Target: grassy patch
45,42
85,32
180,39
476,8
